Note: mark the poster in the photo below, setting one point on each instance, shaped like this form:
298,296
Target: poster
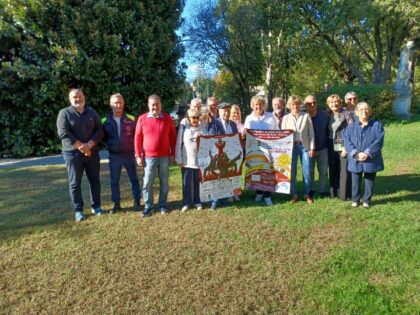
268,160
220,161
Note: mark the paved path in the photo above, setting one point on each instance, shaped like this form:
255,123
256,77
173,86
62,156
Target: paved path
39,161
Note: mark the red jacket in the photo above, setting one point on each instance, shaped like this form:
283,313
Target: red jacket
155,137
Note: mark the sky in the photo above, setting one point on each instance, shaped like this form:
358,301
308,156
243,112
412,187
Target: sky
193,68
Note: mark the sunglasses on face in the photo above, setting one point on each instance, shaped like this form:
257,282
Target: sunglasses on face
194,117
310,103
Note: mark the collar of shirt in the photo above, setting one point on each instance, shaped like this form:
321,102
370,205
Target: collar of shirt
150,115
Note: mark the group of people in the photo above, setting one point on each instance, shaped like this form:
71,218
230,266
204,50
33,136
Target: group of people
343,142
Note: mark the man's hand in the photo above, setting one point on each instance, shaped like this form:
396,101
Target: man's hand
343,153
312,153
139,161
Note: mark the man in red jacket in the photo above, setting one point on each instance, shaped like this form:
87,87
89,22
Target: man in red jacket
154,144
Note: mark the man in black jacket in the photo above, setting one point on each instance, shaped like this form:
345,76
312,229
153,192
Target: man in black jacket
119,130
79,128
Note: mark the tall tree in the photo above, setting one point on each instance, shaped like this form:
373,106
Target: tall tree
227,32
102,46
365,35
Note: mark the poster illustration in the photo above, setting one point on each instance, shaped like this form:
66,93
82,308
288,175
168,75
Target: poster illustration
220,161
268,160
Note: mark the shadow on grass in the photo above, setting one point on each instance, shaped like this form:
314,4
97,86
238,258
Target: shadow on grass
389,187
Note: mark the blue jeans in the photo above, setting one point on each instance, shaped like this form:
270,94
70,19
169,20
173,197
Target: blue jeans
356,181
77,163
299,151
321,160
116,163
153,164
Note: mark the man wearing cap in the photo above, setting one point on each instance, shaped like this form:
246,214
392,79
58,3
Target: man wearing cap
224,114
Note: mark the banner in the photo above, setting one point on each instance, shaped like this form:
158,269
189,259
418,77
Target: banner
220,161
268,160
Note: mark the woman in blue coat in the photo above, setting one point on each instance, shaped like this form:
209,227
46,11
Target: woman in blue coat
363,141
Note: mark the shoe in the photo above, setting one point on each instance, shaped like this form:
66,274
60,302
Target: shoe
184,208
258,197
268,201
354,204
78,216
136,205
311,193
116,208
199,206
97,211
324,195
236,198
213,207
365,205
147,213
163,210
309,200
294,199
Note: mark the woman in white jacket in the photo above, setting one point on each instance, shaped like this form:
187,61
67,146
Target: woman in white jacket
186,158
303,147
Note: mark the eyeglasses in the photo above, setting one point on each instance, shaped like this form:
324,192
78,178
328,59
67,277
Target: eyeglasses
352,98
310,103
194,117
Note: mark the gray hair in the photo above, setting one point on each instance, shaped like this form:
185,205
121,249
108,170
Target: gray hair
195,101
348,94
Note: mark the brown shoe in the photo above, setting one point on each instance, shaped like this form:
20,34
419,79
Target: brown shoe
294,199
309,200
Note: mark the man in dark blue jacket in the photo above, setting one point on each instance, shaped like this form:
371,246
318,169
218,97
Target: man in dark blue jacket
119,129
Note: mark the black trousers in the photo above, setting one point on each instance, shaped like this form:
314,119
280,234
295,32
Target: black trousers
77,163
340,178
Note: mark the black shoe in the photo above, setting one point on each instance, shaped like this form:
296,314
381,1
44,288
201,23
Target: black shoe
147,213
116,208
324,195
136,205
311,193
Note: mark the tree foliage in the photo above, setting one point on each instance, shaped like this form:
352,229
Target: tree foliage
101,46
228,32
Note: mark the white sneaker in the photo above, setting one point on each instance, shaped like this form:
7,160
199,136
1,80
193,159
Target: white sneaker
365,205
354,204
199,206
268,201
258,197
184,208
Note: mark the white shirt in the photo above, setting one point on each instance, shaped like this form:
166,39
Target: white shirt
265,122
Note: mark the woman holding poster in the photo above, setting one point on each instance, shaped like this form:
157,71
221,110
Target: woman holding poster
363,141
261,120
303,147
186,158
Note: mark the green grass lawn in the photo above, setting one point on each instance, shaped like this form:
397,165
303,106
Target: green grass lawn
324,258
